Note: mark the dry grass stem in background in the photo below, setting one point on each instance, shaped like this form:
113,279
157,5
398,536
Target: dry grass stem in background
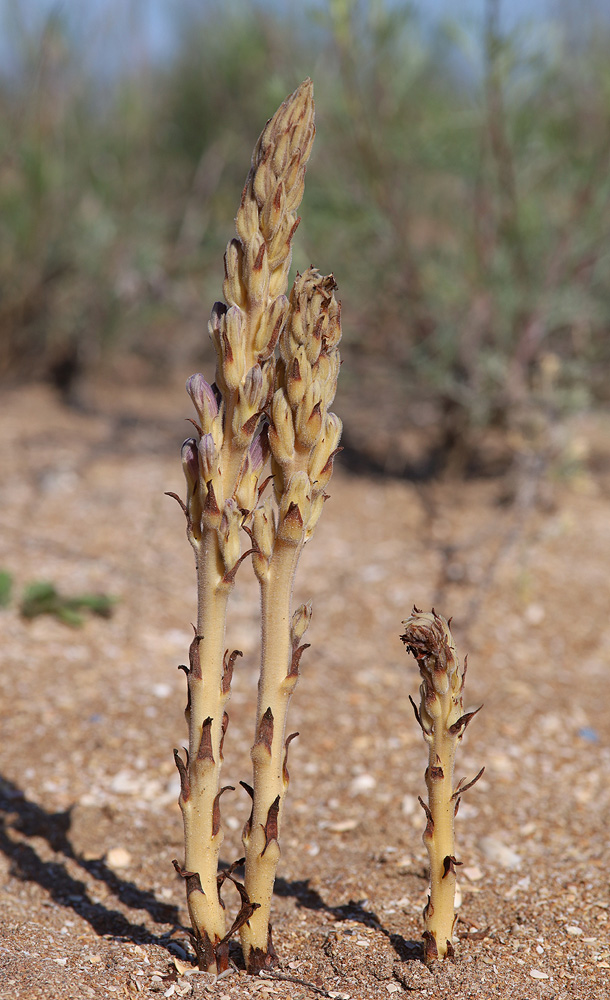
443,723
257,404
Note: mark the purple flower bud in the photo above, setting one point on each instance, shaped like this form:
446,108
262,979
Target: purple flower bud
208,457
258,452
252,389
190,463
204,399
218,311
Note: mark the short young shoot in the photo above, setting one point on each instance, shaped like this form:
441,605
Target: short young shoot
443,722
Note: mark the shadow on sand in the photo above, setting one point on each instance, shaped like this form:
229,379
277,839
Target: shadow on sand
309,898
26,819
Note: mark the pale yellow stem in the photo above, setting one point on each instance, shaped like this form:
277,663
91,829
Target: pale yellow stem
441,717
276,685
207,700
439,914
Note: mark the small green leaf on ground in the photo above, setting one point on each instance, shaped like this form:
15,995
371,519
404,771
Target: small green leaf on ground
6,586
42,598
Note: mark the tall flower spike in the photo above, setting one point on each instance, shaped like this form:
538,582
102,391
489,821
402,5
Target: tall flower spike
222,468
443,722
267,220
303,439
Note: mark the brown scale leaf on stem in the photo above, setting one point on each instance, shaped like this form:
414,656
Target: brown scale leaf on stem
271,826
223,732
230,575
216,809
248,788
185,786
199,431
205,751
175,496
187,672
449,864
285,772
264,485
429,821
458,728
194,661
417,715
264,736
193,881
246,910
211,510
227,672
248,824
227,873
461,787
296,659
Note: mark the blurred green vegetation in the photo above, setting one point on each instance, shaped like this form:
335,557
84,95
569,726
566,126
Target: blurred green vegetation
459,189
6,588
42,598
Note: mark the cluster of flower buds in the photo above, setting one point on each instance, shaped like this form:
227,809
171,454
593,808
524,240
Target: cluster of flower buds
245,332
428,637
207,502
222,467
240,368
257,264
303,434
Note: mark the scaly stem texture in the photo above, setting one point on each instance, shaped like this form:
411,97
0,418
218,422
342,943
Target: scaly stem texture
270,774
199,797
303,438
442,720
222,466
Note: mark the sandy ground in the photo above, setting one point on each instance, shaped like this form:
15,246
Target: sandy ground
91,906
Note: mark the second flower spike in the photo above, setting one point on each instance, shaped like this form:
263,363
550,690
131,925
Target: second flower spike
303,439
